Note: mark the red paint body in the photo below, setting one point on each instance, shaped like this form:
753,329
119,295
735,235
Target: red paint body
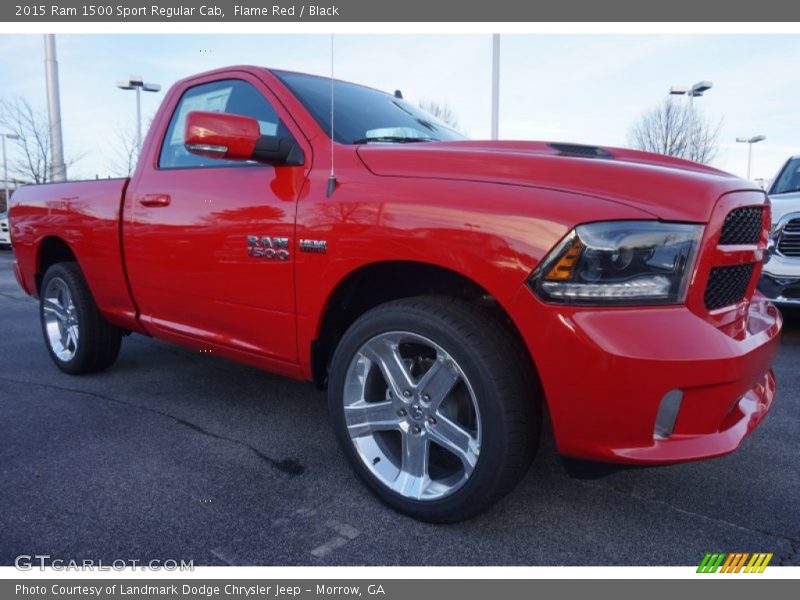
177,268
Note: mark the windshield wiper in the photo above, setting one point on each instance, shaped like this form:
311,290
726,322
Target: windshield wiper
392,139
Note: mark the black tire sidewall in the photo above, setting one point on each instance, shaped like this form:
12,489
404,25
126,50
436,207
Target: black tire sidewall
70,274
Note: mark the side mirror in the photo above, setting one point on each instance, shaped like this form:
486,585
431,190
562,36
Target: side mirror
235,137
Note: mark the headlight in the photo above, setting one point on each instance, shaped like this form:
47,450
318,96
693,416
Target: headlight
620,262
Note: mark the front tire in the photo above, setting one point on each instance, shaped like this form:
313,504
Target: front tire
432,405
77,336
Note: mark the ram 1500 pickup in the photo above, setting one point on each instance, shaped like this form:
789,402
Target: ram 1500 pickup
451,295
780,279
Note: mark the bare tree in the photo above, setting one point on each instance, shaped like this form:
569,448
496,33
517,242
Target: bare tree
29,157
441,111
126,152
31,163
123,162
666,129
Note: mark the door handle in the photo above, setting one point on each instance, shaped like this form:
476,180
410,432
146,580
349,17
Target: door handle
154,200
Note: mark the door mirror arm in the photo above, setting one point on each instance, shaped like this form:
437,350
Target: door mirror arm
277,151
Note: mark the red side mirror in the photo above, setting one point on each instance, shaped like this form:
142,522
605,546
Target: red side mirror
221,135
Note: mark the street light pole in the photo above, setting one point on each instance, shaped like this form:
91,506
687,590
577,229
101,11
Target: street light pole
750,141
691,91
58,169
139,118
495,86
135,82
10,136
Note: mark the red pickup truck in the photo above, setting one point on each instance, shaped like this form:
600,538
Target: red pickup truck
451,295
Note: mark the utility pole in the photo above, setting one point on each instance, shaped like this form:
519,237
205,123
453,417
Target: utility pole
136,83
750,141
58,169
698,89
495,86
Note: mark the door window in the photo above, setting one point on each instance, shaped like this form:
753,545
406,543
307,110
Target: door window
232,96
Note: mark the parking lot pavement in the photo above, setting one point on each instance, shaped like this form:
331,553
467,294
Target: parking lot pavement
172,454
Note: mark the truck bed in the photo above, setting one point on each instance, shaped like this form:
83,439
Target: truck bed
86,215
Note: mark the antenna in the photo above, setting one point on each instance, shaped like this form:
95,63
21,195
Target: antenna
332,176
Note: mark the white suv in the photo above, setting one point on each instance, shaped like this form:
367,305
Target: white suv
780,279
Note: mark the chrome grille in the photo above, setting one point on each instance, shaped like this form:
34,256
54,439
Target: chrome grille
789,240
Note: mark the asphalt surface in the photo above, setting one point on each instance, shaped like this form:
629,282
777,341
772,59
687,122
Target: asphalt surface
173,454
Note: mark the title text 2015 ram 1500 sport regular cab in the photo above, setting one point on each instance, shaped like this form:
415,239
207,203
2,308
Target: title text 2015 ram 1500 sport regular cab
445,291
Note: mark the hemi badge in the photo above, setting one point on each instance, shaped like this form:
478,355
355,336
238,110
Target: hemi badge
314,246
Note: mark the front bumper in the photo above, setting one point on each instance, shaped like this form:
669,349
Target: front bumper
780,280
784,291
605,372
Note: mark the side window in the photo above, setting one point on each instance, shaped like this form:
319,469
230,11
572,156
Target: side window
230,96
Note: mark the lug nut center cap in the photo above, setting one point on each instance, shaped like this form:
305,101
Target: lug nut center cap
416,412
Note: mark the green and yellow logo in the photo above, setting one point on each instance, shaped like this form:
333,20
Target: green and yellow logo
734,562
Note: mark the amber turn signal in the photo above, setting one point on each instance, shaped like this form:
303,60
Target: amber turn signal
565,265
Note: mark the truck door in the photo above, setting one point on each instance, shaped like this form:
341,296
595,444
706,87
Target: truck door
209,243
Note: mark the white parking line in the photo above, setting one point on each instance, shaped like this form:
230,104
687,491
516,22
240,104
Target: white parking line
345,533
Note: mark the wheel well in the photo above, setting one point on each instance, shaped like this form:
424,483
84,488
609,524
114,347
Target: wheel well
52,250
381,282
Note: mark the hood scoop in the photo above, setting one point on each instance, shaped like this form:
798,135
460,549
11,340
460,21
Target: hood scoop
580,150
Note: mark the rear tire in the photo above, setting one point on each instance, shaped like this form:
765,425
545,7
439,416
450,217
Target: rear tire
77,336
433,403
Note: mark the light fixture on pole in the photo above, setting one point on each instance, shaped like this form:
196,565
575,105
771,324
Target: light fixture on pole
135,82
692,91
6,136
750,141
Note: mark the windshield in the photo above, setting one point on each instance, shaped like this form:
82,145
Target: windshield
789,178
363,115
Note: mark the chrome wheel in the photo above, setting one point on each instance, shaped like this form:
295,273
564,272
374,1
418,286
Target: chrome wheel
60,319
412,415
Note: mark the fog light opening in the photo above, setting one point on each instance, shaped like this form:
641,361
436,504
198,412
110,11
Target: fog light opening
667,414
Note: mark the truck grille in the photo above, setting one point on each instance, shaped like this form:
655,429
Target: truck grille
789,242
742,226
727,285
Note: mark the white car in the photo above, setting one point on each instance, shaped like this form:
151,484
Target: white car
5,234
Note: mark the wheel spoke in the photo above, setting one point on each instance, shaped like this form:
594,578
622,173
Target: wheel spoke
72,337
437,382
365,418
413,479
384,353
455,439
54,308
64,335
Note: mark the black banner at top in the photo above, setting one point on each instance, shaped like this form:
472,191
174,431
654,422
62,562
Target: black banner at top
400,11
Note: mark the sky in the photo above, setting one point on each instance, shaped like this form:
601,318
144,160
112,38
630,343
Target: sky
587,88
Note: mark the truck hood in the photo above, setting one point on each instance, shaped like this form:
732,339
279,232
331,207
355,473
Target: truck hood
666,187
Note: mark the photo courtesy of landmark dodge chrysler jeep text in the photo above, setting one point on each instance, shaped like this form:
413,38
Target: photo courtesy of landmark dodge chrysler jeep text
450,294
